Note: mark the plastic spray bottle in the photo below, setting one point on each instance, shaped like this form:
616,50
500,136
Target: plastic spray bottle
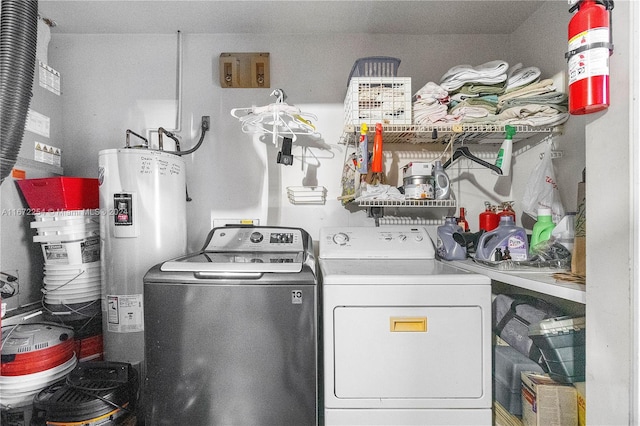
362,152
376,160
506,149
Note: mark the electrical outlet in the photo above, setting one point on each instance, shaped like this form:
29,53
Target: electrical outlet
206,122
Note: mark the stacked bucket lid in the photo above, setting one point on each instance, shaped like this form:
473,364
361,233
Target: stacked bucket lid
70,242
94,393
34,356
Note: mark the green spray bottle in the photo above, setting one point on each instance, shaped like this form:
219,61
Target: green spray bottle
503,161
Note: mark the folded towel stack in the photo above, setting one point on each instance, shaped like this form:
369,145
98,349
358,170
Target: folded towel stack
430,105
491,93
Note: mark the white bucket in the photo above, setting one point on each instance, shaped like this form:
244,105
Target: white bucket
64,292
67,234
80,298
65,215
86,250
70,290
72,269
54,281
71,221
66,276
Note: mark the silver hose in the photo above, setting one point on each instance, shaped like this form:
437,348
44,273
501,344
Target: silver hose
18,38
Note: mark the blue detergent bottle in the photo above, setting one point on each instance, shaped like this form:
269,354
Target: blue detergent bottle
446,247
506,236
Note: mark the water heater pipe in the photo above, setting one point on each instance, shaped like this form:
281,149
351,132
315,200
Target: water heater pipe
178,127
179,66
18,40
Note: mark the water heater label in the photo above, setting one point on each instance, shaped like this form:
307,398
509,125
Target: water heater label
125,313
123,204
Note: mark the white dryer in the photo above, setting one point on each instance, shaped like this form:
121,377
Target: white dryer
407,338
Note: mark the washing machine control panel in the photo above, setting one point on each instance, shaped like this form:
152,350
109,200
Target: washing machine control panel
392,242
256,239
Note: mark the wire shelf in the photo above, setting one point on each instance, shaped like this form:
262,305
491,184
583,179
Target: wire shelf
407,203
469,133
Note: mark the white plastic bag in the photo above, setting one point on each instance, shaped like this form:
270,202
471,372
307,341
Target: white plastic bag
542,190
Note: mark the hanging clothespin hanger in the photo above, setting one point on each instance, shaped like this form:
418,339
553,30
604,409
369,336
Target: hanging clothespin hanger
280,95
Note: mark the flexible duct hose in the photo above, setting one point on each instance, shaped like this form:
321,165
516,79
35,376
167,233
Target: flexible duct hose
18,39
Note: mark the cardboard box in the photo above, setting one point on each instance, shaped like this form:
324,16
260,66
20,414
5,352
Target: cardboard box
417,169
546,402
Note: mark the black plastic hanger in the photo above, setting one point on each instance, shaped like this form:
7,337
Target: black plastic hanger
463,151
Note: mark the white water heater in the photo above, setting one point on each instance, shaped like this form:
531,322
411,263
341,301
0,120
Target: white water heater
142,223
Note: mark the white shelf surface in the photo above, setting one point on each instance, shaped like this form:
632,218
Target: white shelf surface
540,282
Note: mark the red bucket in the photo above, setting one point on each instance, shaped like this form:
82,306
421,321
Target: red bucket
60,193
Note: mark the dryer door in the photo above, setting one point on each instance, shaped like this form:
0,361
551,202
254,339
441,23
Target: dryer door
423,352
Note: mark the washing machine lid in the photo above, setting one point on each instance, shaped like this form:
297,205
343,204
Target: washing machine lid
208,261
246,250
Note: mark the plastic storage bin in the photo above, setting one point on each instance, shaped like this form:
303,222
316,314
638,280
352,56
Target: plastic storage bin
375,66
60,193
508,363
385,100
562,344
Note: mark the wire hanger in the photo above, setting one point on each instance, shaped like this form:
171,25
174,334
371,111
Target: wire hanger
463,151
278,119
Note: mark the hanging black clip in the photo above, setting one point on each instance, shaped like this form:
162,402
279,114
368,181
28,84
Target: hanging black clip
284,156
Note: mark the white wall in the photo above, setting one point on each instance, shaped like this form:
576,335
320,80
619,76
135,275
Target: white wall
609,146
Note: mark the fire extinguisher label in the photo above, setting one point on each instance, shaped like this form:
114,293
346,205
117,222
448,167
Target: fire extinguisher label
590,62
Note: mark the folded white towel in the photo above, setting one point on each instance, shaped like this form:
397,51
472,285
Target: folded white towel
431,90
518,76
492,72
428,114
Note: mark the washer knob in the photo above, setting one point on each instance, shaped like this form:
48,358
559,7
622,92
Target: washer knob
419,237
402,237
256,237
341,238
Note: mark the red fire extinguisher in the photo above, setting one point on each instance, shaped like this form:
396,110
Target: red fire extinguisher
590,45
507,210
488,219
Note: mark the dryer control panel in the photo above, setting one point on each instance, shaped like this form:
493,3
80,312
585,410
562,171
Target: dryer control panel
389,242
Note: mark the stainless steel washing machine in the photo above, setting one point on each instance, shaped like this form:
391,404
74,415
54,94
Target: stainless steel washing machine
407,338
231,332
